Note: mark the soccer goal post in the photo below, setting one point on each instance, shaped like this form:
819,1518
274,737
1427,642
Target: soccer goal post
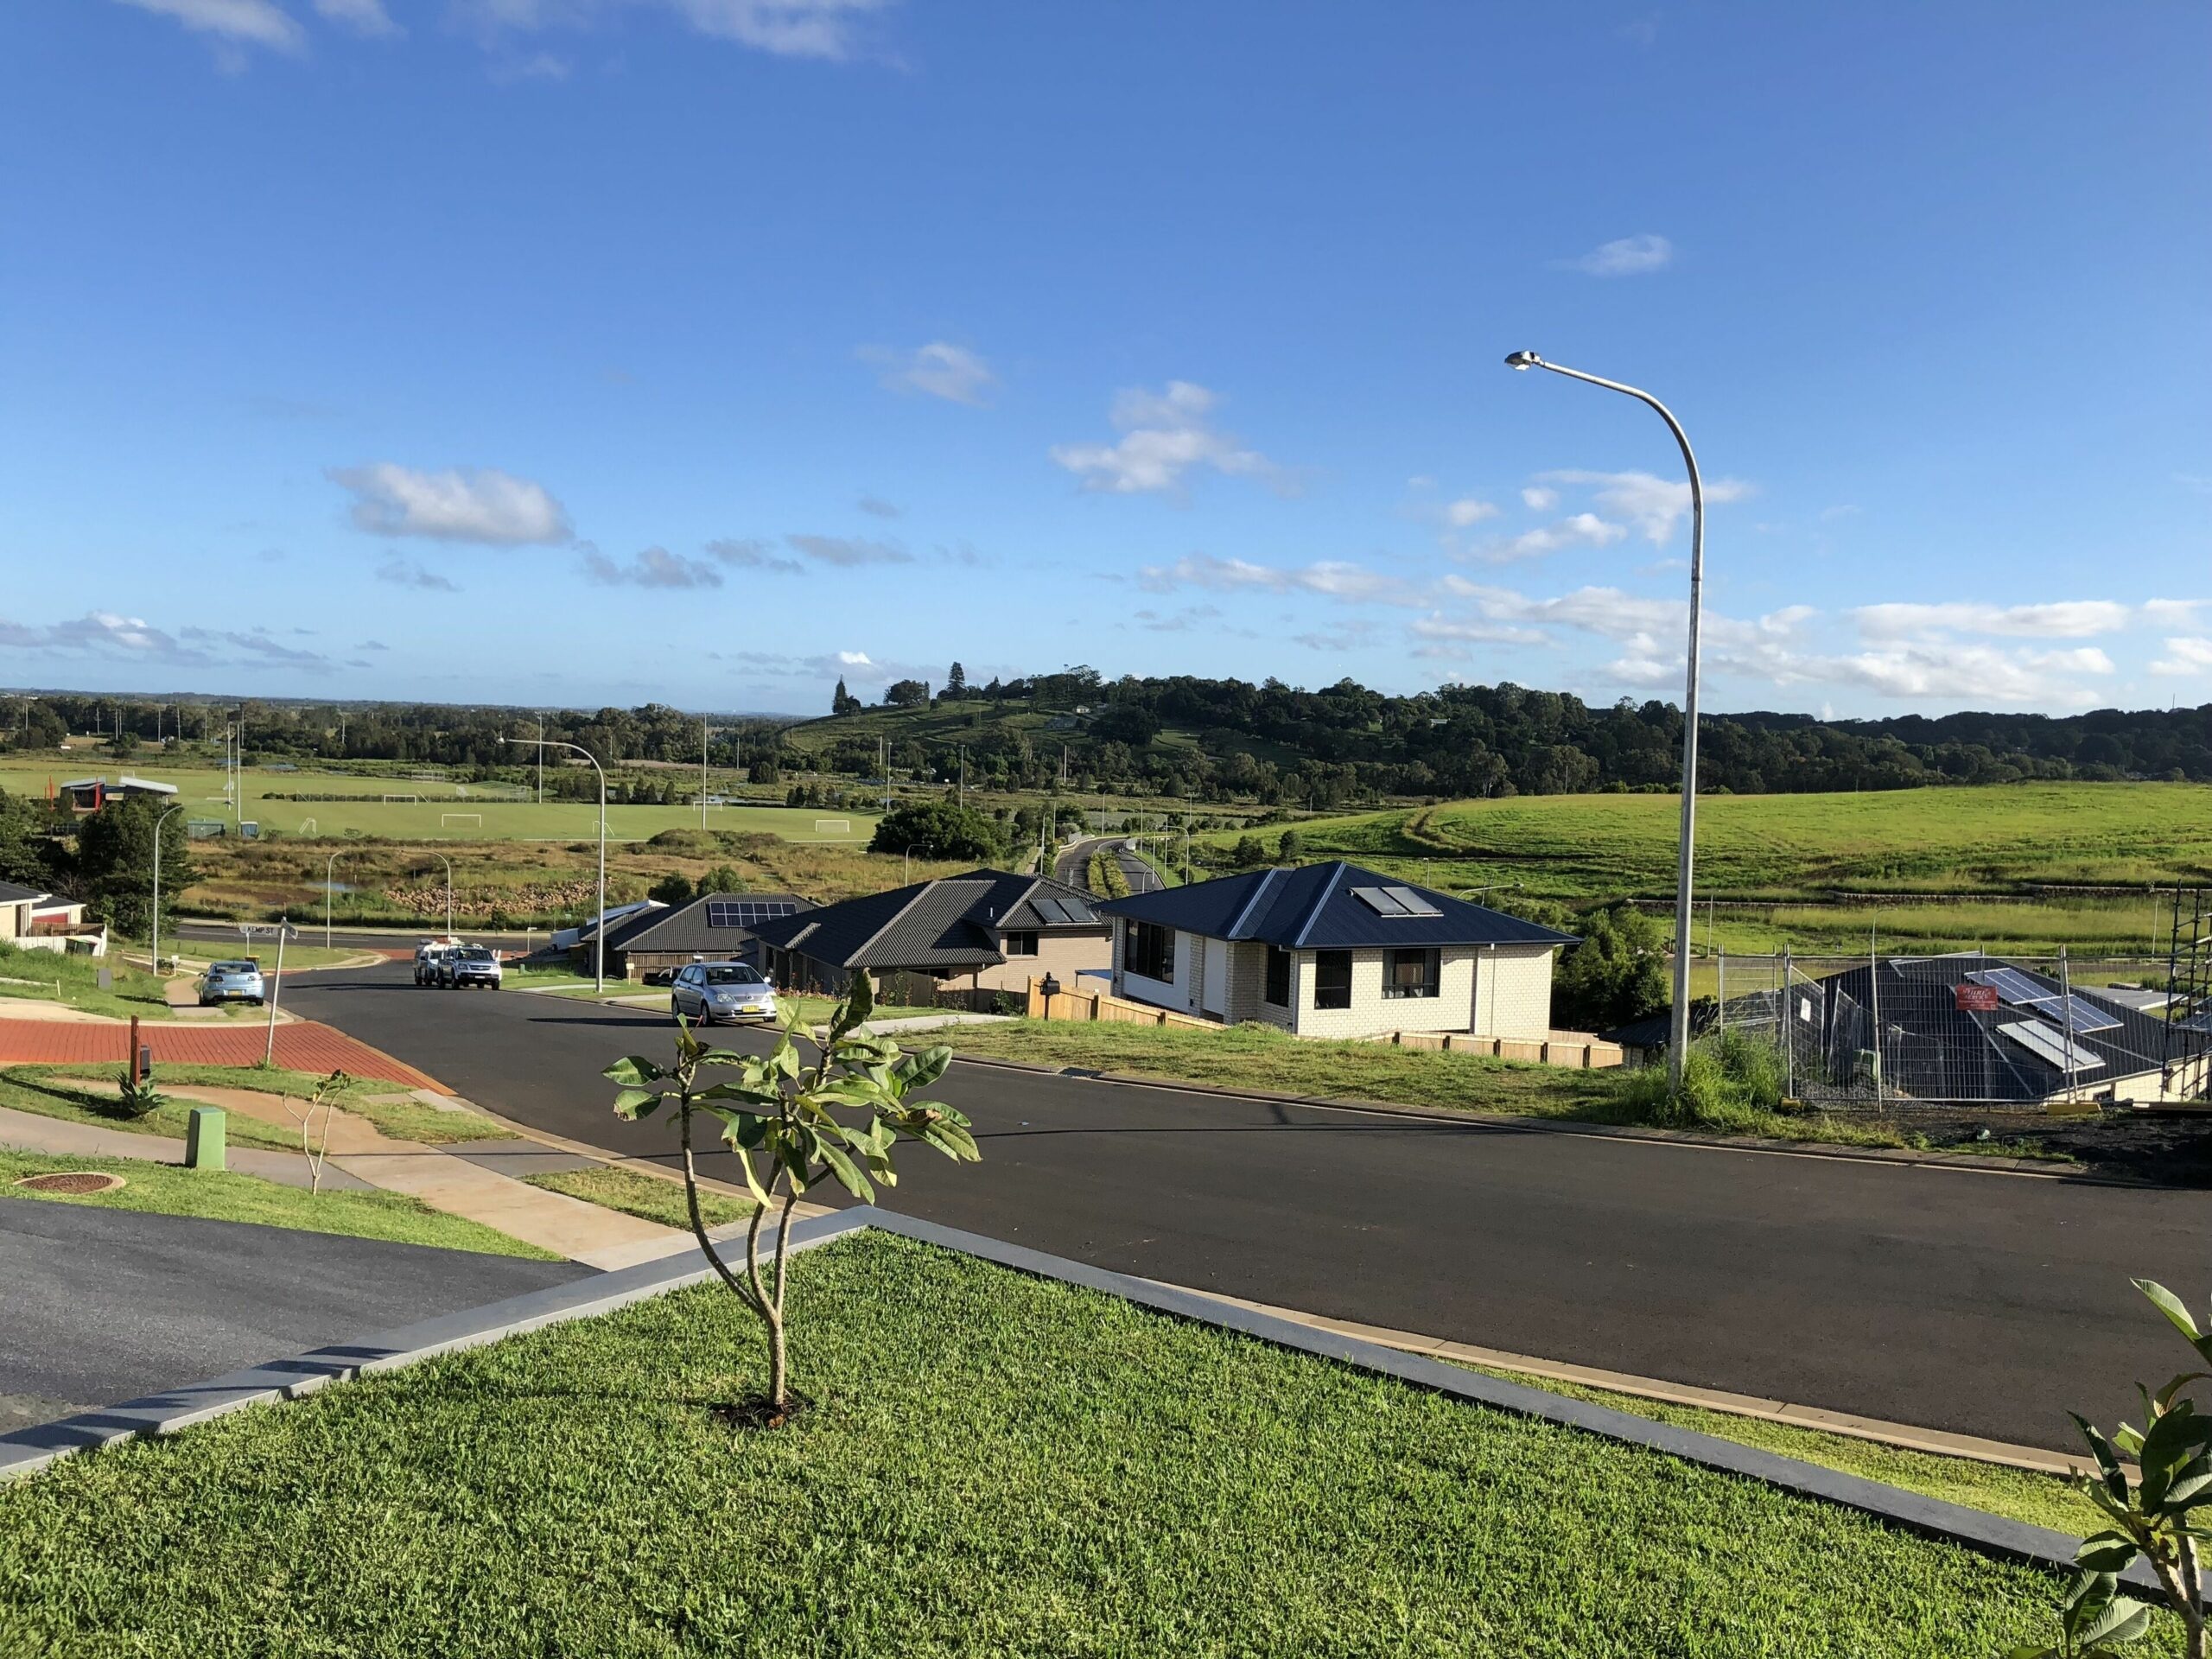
410,800
307,826
472,820
833,826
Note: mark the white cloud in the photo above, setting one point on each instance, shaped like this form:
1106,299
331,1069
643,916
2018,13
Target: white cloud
751,554
937,370
849,551
411,573
1468,510
1631,255
1537,498
2185,655
1164,435
2172,612
363,16
790,29
2066,619
1436,626
654,567
458,504
1583,530
1653,505
117,637
254,22
1339,580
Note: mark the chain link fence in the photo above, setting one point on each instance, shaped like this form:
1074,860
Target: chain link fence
1891,1032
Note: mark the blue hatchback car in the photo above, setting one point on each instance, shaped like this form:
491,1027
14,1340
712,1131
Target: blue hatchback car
238,981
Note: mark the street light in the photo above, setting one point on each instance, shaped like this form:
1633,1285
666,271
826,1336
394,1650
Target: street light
158,823
599,933
1678,1043
329,881
447,862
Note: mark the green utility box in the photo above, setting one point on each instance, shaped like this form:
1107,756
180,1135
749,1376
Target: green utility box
203,1138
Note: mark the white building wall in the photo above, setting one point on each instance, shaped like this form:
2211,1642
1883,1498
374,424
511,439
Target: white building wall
1513,991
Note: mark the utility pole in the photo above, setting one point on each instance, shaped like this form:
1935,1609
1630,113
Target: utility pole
702,771
963,774
541,760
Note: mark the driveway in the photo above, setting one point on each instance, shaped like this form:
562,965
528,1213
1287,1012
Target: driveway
1973,1302
101,1305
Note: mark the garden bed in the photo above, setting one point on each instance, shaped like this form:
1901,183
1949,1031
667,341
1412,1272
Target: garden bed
993,1463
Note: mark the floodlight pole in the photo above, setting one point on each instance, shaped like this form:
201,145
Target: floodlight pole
158,823
1679,1039
447,862
598,931
329,876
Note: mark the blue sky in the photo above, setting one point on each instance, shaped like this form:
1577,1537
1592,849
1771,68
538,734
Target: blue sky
581,350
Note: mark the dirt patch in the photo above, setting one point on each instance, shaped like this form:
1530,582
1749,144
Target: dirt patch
2172,1148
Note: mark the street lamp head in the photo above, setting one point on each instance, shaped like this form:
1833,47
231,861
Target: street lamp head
1524,360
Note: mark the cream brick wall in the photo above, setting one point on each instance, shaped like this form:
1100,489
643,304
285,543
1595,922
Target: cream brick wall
1513,991
1063,956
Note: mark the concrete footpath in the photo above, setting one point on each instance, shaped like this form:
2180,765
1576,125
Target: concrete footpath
362,1157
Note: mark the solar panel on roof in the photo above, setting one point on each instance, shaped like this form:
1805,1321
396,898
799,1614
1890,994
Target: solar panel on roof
1051,909
1379,901
2195,1022
1414,904
2086,1015
746,912
2013,986
2050,1045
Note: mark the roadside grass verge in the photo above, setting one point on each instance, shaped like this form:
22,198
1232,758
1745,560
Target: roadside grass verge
2024,1495
219,1195
73,981
48,1091
1260,1057
1061,1473
646,1196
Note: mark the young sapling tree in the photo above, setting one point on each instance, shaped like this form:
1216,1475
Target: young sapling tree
791,1125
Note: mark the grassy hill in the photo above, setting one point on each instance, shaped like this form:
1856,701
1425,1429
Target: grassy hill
1943,868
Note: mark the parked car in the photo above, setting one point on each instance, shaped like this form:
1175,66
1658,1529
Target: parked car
707,991
472,964
237,980
429,960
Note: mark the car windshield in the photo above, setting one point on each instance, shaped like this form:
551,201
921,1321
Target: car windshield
736,974
234,968
479,955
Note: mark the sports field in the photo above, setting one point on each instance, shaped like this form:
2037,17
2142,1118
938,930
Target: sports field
431,810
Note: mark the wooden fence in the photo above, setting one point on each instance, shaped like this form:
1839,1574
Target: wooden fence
1097,1005
1576,1049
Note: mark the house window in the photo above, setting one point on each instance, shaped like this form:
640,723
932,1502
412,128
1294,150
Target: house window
1021,944
1278,976
1151,951
1333,979
1409,972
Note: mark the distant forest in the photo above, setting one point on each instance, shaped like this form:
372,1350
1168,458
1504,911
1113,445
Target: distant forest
1198,738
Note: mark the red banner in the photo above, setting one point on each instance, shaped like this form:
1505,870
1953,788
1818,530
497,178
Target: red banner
1976,999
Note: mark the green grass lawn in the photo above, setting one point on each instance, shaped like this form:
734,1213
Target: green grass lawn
48,1091
994,1465
646,1196
1260,1057
213,1195
73,981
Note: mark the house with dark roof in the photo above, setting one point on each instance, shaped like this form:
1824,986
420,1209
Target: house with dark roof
985,932
651,944
1966,1028
1334,950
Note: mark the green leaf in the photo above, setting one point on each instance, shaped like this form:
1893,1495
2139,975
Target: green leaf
2115,1480
2171,1305
633,1069
920,1070
847,1173
2108,1552
752,1177
634,1103
2124,1621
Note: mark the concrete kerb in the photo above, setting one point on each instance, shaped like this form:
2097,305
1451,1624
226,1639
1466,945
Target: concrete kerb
29,1450
1972,1164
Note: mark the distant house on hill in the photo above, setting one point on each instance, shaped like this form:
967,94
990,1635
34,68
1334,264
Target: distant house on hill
90,794
1334,950
987,931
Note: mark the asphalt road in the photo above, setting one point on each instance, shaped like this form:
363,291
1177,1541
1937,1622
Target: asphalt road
101,1305
1973,1302
1073,866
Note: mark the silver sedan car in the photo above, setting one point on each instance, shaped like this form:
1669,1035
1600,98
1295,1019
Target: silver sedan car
705,992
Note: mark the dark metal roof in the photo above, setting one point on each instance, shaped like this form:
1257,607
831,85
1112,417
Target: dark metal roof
1314,907
11,893
685,927
952,922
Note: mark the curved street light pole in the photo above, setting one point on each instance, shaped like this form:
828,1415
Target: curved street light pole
1679,1039
447,862
599,929
158,823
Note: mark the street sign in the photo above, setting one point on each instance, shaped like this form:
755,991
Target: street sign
1975,999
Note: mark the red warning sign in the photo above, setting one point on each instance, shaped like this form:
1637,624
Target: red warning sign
1976,999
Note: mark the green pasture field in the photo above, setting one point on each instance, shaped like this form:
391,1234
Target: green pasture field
440,815
1905,841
